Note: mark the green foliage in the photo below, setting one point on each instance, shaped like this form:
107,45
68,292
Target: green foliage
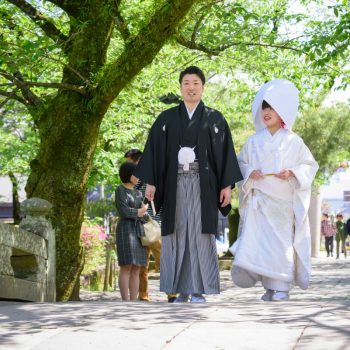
98,209
258,45
19,142
327,40
326,132
23,46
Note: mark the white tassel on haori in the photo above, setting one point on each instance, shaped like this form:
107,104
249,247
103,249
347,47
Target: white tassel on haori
186,156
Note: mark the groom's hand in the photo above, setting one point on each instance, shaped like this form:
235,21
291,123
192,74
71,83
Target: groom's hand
225,196
150,191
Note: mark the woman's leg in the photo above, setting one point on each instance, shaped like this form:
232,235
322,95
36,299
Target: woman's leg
331,240
123,281
337,247
343,245
327,242
134,282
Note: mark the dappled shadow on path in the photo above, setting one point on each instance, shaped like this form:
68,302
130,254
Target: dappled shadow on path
324,307
29,319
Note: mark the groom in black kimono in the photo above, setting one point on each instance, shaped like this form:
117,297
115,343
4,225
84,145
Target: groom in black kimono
188,142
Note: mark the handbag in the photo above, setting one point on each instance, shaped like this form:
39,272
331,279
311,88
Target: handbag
152,232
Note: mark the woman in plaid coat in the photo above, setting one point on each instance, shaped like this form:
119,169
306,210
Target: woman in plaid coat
131,254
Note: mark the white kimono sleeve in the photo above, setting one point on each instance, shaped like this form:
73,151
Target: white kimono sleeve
246,164
305,168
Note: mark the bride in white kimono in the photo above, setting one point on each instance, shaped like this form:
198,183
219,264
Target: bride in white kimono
273,244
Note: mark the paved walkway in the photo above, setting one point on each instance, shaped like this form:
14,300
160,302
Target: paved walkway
318,318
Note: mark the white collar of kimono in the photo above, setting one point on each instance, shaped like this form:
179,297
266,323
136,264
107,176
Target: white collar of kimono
272,142
277,135
282,96
190,114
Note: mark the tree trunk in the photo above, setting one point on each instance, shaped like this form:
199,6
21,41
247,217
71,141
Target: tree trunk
59,175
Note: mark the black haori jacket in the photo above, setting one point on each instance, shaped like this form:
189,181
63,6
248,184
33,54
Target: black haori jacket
218,166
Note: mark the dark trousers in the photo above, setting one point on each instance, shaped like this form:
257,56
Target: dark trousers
329,244
341,241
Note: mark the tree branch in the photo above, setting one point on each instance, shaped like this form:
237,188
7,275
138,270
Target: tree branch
70,7
3,103
120,21
63,86
80,89
7,84
66,65
196,27
122,25
85,80
29,96
117,3
43,22
214,51
140,51
11,95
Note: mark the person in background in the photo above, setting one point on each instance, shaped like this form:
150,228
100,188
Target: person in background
347,228
347,233
130,252
340,236
134,155
328,231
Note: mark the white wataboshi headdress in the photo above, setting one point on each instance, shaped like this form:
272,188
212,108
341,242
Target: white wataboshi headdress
282,96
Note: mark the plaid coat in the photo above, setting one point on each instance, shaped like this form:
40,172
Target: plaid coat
129,229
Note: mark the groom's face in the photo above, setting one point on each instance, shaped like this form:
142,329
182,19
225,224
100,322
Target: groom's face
191,88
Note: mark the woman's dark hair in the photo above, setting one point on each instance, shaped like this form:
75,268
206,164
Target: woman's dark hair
134,154
192,70
265,105
126,170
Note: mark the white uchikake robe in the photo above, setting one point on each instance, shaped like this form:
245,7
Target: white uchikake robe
274,234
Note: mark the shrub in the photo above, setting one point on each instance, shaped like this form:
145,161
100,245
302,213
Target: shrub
93,239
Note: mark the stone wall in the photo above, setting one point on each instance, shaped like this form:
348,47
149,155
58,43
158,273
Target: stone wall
27,255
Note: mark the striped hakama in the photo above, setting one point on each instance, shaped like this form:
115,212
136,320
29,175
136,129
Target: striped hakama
189,262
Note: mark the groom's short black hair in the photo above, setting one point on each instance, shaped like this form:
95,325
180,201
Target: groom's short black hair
192,70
